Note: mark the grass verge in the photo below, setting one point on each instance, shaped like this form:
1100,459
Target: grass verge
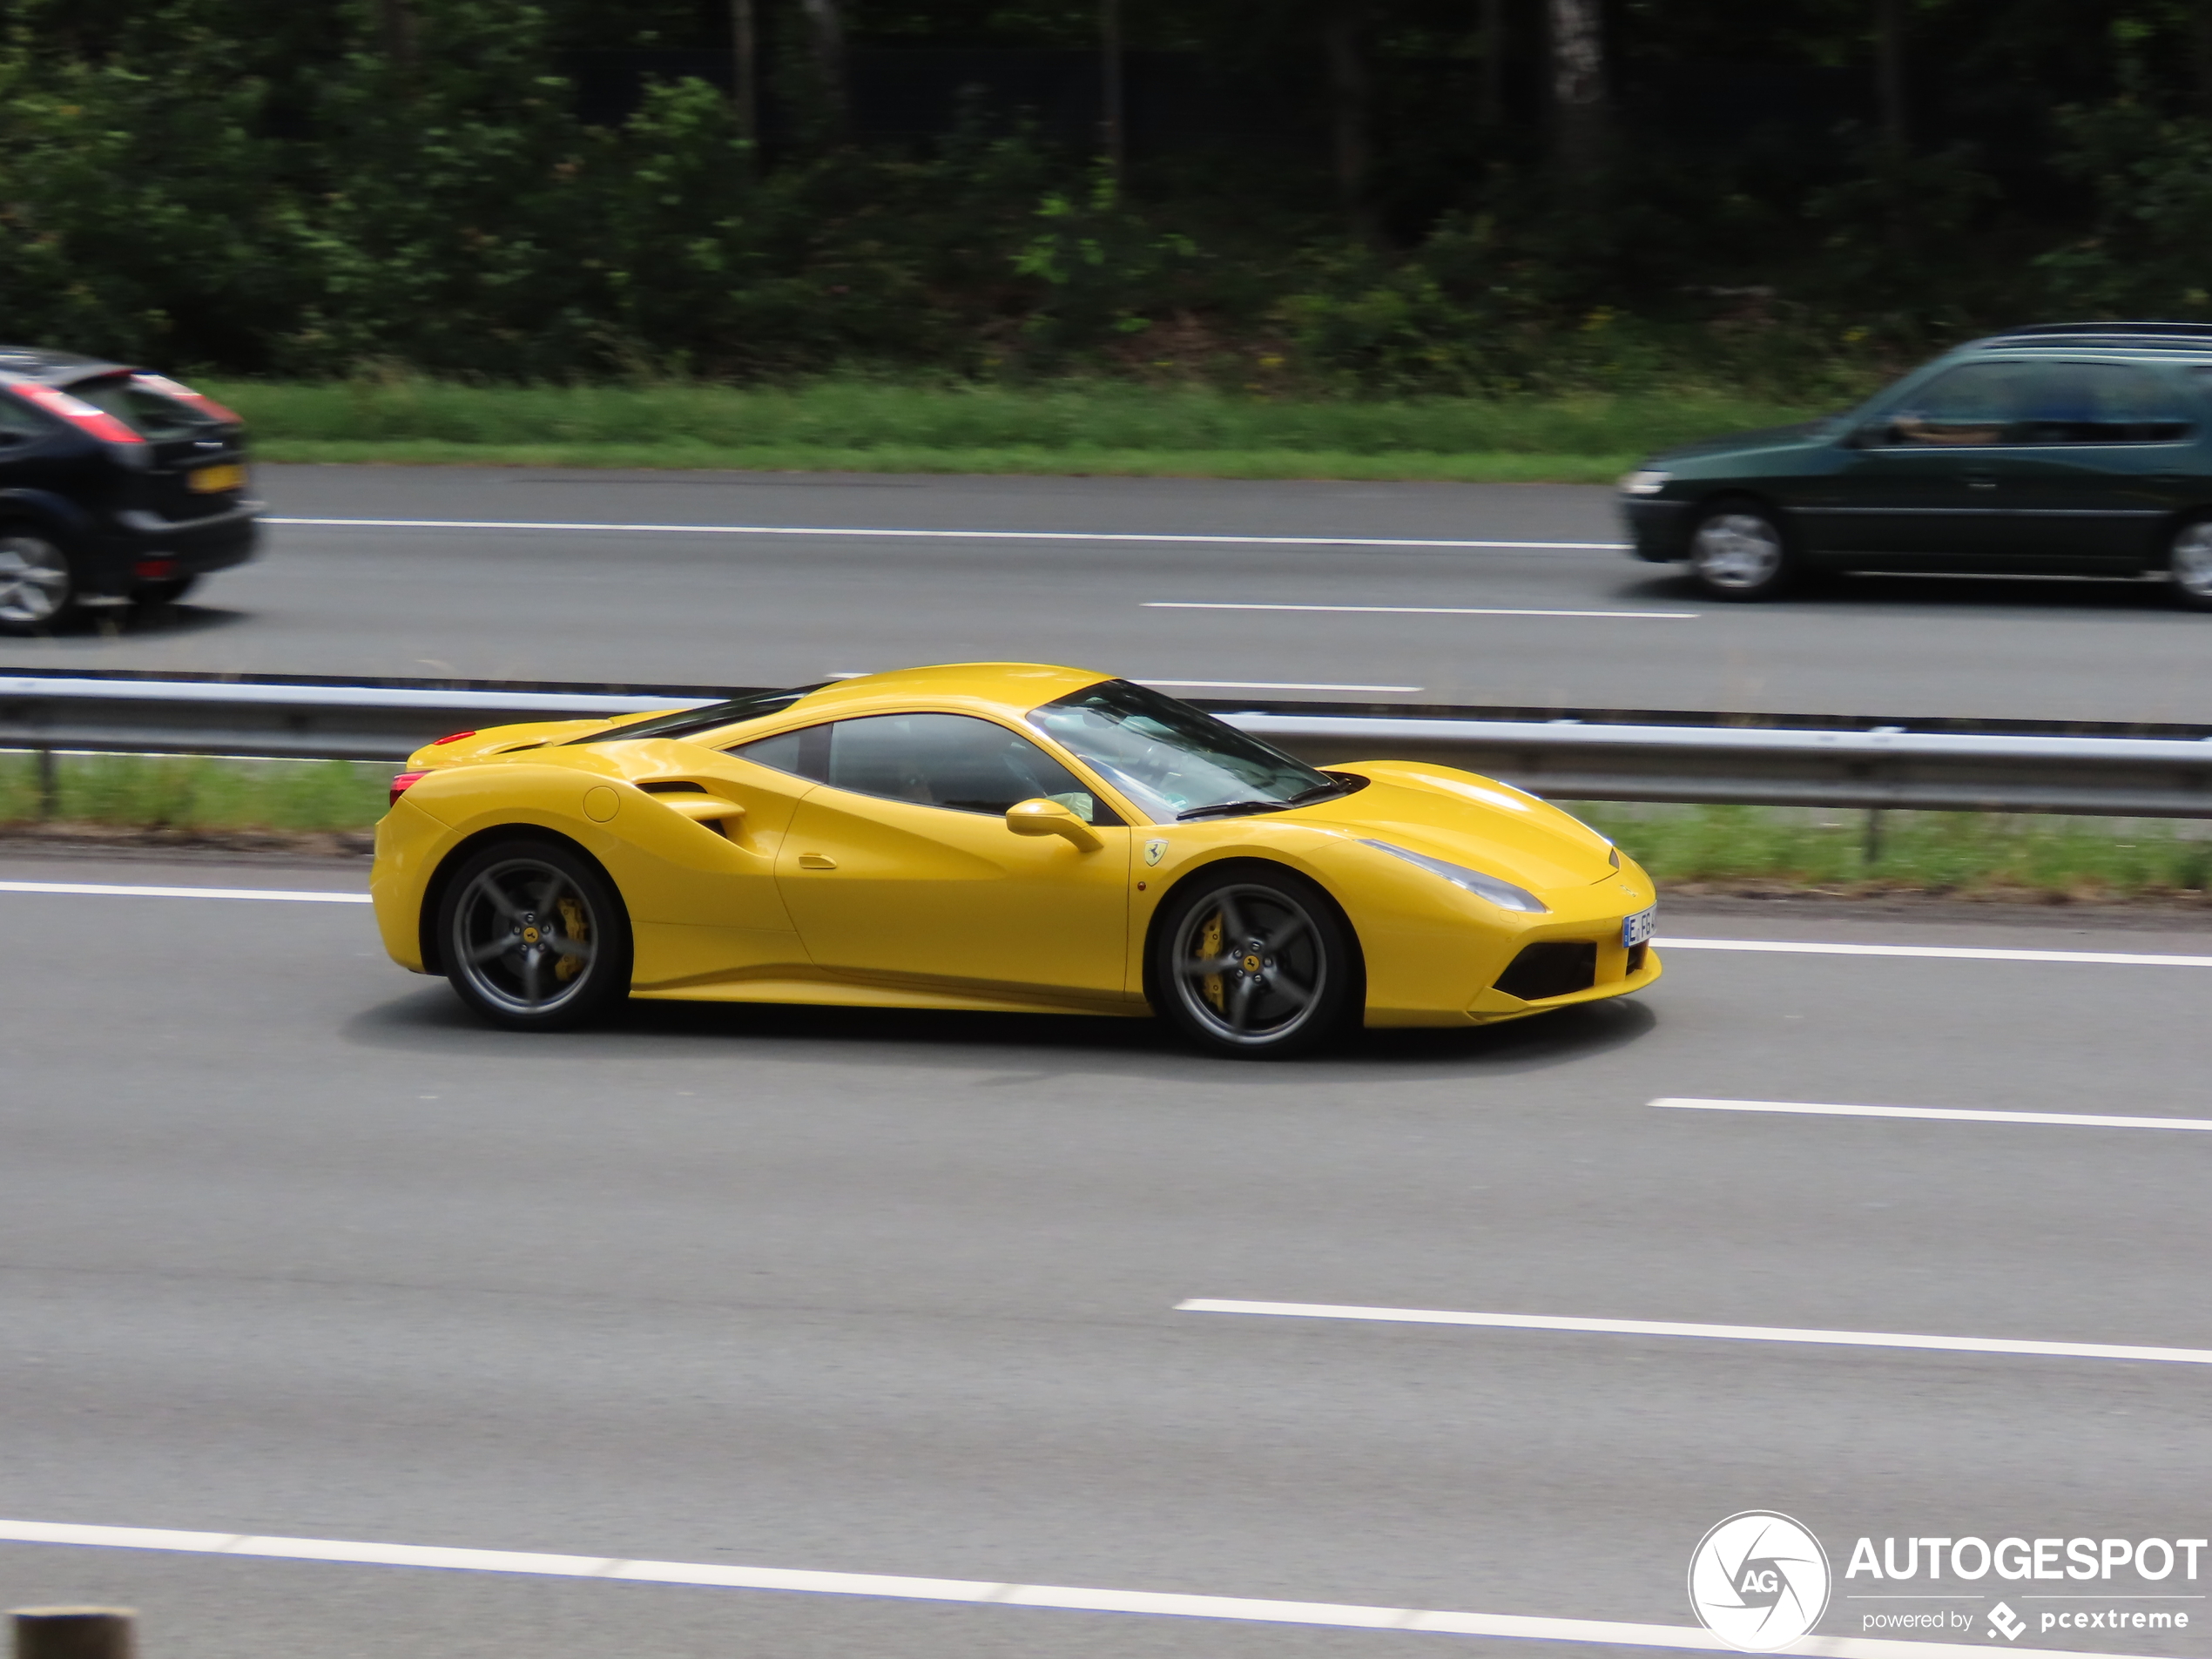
858,426
1967,855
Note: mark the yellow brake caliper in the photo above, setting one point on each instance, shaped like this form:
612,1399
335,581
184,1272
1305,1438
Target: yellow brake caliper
1209,948
574,925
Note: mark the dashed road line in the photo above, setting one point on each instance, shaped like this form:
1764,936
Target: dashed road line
1427,611
116,890
1710,1332
1946,952
1942,1114
1065,1598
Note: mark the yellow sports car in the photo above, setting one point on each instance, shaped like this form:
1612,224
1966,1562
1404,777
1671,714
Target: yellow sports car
995,836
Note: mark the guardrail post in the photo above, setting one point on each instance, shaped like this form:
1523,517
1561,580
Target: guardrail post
50,784
73,1632
1873,849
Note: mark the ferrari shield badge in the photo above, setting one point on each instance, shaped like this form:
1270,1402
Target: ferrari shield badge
1154,850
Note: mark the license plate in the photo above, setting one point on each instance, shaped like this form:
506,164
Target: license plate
209,481
1636,929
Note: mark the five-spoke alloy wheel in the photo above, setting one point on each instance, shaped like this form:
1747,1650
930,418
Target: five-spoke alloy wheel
533,937
1254,962
37,586
1738,550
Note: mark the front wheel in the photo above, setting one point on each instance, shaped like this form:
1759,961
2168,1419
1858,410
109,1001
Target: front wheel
1740,550
1256,963
2189,563
38,588
533,937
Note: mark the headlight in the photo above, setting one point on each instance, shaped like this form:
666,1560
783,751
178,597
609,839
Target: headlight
1503,895
1643,483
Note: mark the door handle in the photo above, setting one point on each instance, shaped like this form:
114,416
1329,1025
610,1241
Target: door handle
1981,481
816,861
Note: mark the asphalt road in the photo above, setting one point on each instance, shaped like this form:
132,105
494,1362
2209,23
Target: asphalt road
288,1246
596,600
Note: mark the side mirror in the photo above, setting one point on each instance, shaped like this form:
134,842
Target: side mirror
1043,817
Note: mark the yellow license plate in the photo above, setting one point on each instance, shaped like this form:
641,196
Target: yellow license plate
210,480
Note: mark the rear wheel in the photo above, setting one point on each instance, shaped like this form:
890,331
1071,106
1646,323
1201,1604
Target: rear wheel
1256,963
1740,550
2189,562
533,937
37,587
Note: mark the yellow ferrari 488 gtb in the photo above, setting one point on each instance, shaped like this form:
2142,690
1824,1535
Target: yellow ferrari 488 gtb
992,836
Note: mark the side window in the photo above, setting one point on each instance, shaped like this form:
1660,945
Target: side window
1982,404
2098,403
1970,406
950,760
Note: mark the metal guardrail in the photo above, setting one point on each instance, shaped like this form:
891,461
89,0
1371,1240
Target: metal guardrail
1567,759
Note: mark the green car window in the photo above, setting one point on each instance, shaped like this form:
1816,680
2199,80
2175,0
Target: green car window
1978,405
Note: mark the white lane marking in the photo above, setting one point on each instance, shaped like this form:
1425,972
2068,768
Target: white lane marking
1720,1332
865,531
1955,953
112,890
1275,685
1944,1114
1424,611
1065,1598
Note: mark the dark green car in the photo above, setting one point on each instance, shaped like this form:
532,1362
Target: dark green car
2067,450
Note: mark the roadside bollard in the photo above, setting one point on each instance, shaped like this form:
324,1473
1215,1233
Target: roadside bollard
73,1632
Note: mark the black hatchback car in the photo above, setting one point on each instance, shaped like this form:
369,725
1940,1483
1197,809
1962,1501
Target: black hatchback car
116,485
2067,448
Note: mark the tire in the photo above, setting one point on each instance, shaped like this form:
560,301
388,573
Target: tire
37,584
2188,563
164,592
547,906
1302,982
1741,551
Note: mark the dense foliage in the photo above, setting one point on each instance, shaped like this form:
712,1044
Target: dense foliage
321,187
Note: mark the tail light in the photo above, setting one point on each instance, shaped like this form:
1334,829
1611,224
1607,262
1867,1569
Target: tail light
207,405
451,737
404,782
96,423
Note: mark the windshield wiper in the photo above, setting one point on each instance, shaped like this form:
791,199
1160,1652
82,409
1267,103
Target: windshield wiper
1238,808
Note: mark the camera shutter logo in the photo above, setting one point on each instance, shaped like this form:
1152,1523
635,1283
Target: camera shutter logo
1759,1580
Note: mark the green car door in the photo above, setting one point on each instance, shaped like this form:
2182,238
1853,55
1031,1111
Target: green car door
2105,454
1929,482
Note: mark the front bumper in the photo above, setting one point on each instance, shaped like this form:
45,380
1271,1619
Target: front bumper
1658,528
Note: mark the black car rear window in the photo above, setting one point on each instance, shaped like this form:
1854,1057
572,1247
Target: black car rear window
152,415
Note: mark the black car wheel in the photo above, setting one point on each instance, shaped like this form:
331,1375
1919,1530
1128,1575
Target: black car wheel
533,937
38,588
1254,961
2189,563
1739,549
164,592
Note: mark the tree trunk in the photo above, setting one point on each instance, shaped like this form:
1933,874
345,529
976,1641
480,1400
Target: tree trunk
1348,109
1889,73
395,23
1113,138
825,36
1582,113
744,71
1490,92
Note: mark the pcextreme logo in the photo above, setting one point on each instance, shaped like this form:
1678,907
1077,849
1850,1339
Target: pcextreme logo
1759,1580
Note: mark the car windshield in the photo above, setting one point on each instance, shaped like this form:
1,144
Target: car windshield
706,718
1174,761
